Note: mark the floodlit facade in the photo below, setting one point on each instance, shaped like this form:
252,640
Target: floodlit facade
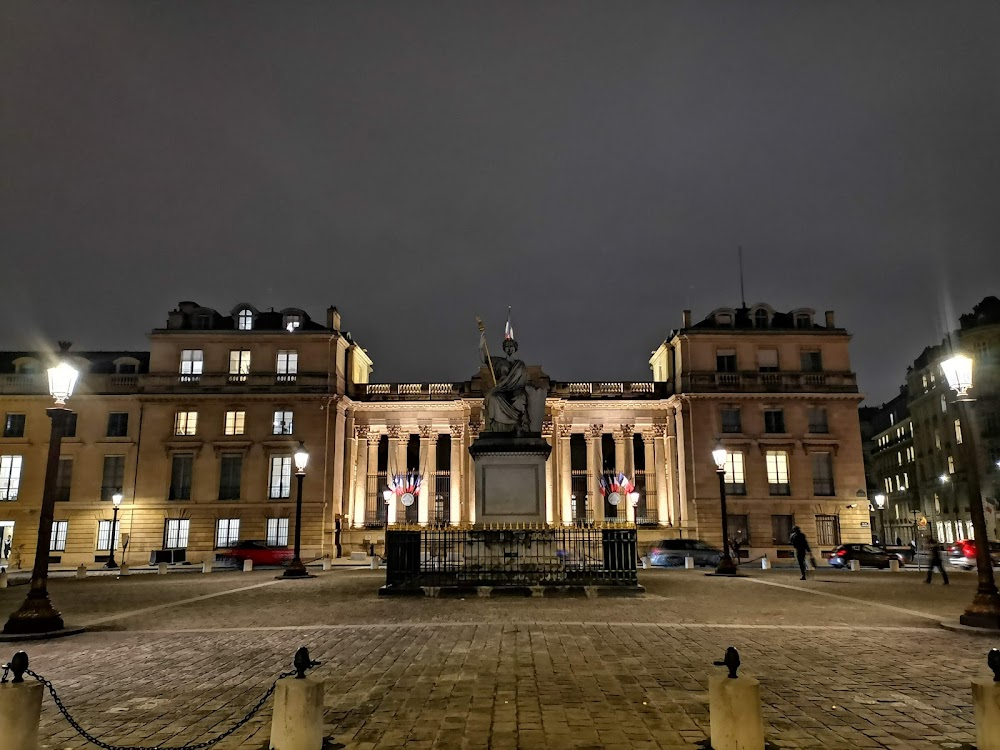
198,436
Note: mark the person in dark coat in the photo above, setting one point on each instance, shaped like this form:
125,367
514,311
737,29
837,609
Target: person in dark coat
801,544
935,560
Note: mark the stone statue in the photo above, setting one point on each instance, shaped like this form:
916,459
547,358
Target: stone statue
514,404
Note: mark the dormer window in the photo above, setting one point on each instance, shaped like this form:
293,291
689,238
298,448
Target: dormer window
27,366
803,320
760,319
244,320
202,320
292,322
724,319
126,365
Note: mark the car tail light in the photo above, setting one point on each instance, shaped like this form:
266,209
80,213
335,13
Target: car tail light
841,552
969,549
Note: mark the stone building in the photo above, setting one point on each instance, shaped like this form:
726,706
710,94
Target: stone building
893,472
215,409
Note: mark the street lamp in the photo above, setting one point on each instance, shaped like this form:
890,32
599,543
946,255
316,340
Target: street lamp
37,615
296,569
880,504
116,501
984,612
726,565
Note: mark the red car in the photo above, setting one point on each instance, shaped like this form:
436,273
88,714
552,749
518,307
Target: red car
962,554
259,553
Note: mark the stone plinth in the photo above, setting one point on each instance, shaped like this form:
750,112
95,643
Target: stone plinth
734,713
986,701
20,713
297,720
510,478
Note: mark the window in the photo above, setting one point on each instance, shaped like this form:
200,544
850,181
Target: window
817,420
13,426
106,535
803,320
774,420
827,531
280,482
777,473
113,477
923,380
899,458
822,466
118,424
292,322
951,464
126,368
227,532
69,427
725,360
283,423
202,321
175,533
181,469
781,529
10,476
57,542
731,419
192,362
811,360
944,404
64,478
230,476
767,360
760,319
937,441
234,422
186,423
735,479
277,532
239,365
958,431
245,320
287,365
739,528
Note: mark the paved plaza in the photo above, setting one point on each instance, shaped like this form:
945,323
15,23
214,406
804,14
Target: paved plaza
845,660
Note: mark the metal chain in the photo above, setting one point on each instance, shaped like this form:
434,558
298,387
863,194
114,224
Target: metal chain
198,746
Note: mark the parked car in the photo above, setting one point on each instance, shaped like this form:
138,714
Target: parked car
963,554
258,552
671,553
868,555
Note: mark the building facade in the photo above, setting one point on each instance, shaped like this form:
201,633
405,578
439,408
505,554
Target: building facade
198,435
894,473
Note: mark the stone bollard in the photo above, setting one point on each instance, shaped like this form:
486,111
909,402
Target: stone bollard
688,563
645,562
206,566
894,566
374,562
123,570
3,578
734,708
986,701
20,708
297,718
765,564
81,572
247,566
327,563
855,565
161,569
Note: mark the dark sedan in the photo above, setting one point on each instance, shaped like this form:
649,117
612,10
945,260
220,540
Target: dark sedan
671,553
867,555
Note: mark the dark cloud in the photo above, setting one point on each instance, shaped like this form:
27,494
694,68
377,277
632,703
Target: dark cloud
594,165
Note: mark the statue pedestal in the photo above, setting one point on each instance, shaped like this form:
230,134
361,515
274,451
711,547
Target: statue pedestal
510,478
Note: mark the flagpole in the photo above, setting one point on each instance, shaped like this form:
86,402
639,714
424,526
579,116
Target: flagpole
489,359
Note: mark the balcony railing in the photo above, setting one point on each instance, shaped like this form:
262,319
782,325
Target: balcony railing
208,382
38,384
845,382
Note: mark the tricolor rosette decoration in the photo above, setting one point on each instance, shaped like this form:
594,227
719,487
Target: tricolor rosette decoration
403,487
614,486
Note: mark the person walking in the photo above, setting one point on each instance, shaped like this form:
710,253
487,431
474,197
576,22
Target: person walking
801,544
935,561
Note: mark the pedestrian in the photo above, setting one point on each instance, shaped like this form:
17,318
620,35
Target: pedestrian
6,546
899,542
935,561
801,544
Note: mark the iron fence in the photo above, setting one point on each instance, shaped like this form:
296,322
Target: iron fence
511,557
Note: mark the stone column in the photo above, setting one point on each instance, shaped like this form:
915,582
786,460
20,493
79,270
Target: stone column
341,509
364,452
396,464
651,478
428,465
627,430
619,437
475,427
678,468
550,494
350,471
565,475
663,510
456,474
594,500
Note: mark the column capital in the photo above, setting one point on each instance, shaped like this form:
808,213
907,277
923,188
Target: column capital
457,431
547,428
595,430
627,430
565,431
475,427
659,429
393,431
361,431
427,432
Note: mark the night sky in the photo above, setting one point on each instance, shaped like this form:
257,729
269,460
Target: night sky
593,164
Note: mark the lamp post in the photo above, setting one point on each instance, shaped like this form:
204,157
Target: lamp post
116,501
37,615
726,565
880,504
984,612
296,569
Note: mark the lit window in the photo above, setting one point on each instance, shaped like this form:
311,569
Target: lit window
57,542
239,364
958,431
292,322
13,426
899,458
227,532
944,404
175,533
235,422
106,536
283,424
287,364
937,441
192,363
735,479
245,320
277,532
777,473
280,478
186,423
951,464
10,476
923,379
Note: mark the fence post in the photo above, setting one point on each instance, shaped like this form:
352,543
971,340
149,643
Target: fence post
986,701
297,719
734,708
20,708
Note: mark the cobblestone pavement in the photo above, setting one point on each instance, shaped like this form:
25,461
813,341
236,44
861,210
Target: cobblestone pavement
867,669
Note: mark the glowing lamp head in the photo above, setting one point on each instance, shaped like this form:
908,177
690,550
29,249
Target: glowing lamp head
944,478
116,499
387,496
958,371
62,381
880,501
633,499
719,455
301,458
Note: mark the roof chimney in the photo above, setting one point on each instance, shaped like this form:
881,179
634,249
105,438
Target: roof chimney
829,319
333,318
686,319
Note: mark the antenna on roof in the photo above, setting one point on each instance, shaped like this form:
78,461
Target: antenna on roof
743,297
